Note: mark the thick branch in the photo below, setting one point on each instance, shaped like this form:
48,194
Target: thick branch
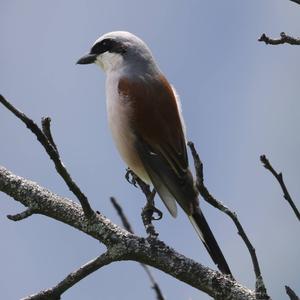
44,202
279,177
261,291
284,39
50,148
122,244
55,292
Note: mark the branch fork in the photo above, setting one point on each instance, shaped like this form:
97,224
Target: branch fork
44,136
286,195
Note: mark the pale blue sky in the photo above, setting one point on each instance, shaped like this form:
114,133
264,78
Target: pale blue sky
240,99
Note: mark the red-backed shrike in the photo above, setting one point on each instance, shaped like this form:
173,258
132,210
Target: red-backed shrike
145,118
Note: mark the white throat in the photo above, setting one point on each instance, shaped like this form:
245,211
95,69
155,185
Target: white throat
109,61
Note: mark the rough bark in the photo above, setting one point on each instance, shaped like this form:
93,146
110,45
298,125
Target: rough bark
121,244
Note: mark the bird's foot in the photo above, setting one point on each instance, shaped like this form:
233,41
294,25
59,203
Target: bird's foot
148,216
131,177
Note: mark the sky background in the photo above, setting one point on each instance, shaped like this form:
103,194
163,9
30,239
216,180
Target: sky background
240,99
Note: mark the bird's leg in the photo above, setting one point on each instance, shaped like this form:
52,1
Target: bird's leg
150,206
147,217
149,210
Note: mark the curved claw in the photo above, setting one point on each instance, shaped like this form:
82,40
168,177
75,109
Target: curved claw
129,176
151,209
158,212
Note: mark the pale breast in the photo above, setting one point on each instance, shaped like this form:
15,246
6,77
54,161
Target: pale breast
119,112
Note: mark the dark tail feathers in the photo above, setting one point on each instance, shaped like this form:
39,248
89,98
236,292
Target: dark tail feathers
209,241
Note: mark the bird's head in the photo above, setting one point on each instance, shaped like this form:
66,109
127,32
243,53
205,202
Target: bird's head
117,49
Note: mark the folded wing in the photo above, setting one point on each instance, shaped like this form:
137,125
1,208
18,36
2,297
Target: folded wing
160,141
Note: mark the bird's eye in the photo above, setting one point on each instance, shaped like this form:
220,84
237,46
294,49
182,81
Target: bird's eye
109,45
101,47
106,44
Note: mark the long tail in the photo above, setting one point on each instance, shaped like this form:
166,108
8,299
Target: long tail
209,241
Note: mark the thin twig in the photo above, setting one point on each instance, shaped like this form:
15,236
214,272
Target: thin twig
291,293
55,292
53,154
121,214
46,127
128,227
261,292
21,216
155,286
284,39
286,195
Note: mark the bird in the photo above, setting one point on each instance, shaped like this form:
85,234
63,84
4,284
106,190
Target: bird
146,122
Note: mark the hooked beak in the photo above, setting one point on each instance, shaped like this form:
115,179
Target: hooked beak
87,59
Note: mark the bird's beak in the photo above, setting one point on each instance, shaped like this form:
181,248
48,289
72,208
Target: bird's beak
87,59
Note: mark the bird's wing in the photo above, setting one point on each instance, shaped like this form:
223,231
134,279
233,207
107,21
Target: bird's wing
160,139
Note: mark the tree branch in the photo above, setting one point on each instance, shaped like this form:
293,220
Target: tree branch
122,244
46,127
51,149
261,292
21,216
121,214
126,224
284,39
155,286
55,292
291,293
266,163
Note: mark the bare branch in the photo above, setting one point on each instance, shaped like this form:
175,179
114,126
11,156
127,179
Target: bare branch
52,152
291,293
46,127
55,292
284,39
279,177
155,286
121,214
21,216
128,227
122,244
261,292
42,201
